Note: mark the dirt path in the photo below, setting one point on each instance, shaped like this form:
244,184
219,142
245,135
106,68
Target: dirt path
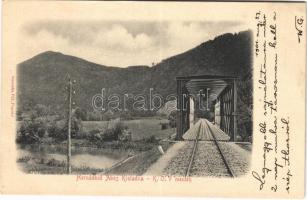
158,167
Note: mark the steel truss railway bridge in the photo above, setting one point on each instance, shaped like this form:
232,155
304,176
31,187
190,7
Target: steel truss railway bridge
217,94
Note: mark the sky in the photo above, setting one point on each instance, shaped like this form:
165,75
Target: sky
117,42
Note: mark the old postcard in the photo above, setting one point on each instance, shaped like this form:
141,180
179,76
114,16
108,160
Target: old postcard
153,98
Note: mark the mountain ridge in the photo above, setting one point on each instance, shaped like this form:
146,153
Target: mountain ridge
42,77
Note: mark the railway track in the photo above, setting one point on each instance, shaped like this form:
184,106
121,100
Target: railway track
193,155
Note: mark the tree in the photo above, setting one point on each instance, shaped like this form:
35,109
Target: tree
41,110
80,114
245,107
32,130
172,117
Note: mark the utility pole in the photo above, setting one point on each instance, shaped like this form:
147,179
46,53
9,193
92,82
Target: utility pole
69,126
208,98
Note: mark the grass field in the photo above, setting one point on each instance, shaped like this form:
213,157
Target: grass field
140,128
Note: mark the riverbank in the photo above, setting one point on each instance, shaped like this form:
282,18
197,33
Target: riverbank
141,162
89,158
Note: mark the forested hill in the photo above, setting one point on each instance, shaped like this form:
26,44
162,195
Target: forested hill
41,79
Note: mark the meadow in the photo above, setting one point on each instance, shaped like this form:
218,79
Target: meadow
142,128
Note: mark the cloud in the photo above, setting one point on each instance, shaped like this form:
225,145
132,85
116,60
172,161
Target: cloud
191,33
118,38
40,42
119,43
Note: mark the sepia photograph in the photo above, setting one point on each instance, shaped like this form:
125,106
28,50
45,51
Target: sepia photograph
188,113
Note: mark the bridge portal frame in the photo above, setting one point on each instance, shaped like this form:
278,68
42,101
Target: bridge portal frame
227,100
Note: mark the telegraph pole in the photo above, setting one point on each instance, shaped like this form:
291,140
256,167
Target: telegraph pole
69,126
208,98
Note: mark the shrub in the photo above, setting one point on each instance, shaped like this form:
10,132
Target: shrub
152,139
81,114
41,132
82,134
165,125
57,130
94,135
31,131
24,159
55,163
172,118
113,132
126,135
109,135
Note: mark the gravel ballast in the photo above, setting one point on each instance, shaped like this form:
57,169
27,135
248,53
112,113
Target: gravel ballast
208,161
